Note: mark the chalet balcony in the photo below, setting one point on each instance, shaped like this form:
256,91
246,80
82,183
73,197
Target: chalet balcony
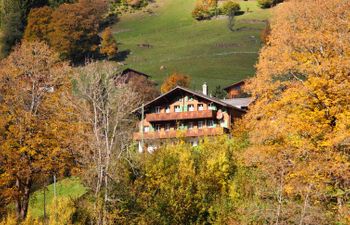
179,133
205,114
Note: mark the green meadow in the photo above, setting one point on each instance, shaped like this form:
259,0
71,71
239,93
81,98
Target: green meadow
68,187
164,38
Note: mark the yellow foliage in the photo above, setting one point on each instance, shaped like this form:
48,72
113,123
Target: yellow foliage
300,122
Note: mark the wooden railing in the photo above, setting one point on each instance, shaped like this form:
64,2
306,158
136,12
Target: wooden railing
179,133
154,117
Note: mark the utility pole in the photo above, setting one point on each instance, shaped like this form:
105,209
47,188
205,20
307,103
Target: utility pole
55,194
142,127
45,205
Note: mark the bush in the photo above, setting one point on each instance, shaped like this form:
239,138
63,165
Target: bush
230,7
201,12
265,3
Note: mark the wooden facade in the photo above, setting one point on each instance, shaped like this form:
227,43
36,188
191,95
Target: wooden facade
183,113
235,90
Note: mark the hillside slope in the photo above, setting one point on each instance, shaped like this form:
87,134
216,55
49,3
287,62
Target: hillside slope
165,35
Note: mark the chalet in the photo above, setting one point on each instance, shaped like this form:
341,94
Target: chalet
183,113
235,90
128,74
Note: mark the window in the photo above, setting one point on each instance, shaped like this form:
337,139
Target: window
210,123
212,106
167,109
157,109
157,127
191,98
190,125
167,127
191,108
180,99
200,107
181,126
146,129
200,124
177,108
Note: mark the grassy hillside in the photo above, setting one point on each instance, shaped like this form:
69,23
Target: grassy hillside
206,50
69,187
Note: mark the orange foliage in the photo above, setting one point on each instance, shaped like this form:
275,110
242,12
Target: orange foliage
300,122
174,80
37,121
108,43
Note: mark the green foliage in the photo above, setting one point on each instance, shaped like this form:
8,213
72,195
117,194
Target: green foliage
13,21
11,25
230,7
265,3
180,184
219,92
268,3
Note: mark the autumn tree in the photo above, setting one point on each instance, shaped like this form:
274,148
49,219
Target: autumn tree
300,123
74,29
38,125
146,89
13,20
106,109
108,43
176,79
38,24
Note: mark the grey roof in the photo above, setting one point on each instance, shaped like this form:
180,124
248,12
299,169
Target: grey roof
238,102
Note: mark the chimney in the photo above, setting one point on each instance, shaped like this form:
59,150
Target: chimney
205,88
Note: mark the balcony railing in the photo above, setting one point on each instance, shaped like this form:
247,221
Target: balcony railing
179,133
154,117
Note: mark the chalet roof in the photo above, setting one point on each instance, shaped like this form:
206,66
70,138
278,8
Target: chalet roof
239,83
175,91
127,70
239,102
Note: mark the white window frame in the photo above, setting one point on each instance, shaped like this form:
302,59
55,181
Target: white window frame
157,109
177,108
158,127
200,124
200,107
146,129
167,109
191,108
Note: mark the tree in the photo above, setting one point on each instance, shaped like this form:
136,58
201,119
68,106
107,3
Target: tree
146,89
38,24
37,120
300,123
176,79
74,29
178,184
219,92
13,20
106,109
108,43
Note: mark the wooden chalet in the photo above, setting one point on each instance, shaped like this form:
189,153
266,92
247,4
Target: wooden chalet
183,113
235,90
126,75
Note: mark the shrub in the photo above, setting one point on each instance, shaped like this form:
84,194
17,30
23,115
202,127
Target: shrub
230,7
201,12
265,3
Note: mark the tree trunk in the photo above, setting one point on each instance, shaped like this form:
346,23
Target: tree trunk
22,200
